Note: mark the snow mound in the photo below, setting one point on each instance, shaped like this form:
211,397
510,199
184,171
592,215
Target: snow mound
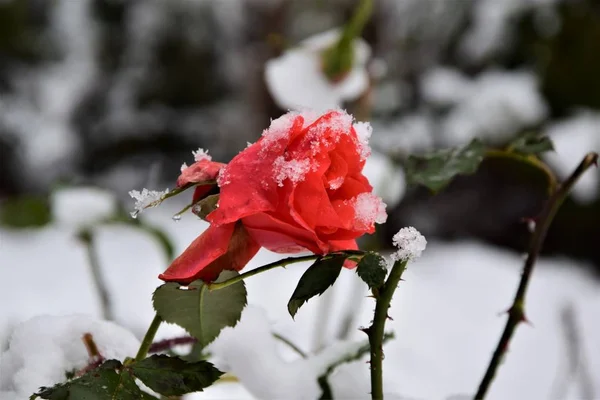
42,350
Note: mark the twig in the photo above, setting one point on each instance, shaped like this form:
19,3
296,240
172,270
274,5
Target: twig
516,312
290,344
323,319
87,238
377,328
348,358
577,366
167,344
96,359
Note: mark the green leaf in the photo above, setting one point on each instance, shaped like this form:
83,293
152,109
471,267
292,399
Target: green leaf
435,170
317,278
106,382
531,143
203,313
172,376
372,269
25,212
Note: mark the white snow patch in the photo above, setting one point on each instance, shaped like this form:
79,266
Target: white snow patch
445,86
201,154
499,105
573,138
409,134
294,170
262,369
368,210
386,178
82,206
296,80
44,348
410,244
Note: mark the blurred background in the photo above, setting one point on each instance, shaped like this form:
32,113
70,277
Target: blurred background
115,94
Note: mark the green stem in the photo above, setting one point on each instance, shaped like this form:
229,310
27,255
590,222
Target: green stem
256,271
87,238
148,338
377,329
516,313
290,344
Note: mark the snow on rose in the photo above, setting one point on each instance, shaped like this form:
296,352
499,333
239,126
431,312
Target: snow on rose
299,187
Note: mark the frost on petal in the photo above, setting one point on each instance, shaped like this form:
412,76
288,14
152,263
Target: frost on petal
410,244
327,130
146,199
364,132
201,154
279,130
336,183
294,170
184,166
368,210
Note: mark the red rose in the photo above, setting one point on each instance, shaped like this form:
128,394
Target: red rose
299,187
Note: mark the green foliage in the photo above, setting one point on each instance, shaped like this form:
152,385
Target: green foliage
172,376
200,311
435,170
25,212
531,143
372,270
317,278
108,381
169,376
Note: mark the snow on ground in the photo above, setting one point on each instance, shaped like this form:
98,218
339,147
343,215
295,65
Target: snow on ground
44,348
446,313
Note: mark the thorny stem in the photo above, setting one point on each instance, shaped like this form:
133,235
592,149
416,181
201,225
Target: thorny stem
87,238
377,328
281,263
516,312
148,338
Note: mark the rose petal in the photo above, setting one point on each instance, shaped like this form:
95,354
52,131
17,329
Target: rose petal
281,237
203,170
248,184
216,249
